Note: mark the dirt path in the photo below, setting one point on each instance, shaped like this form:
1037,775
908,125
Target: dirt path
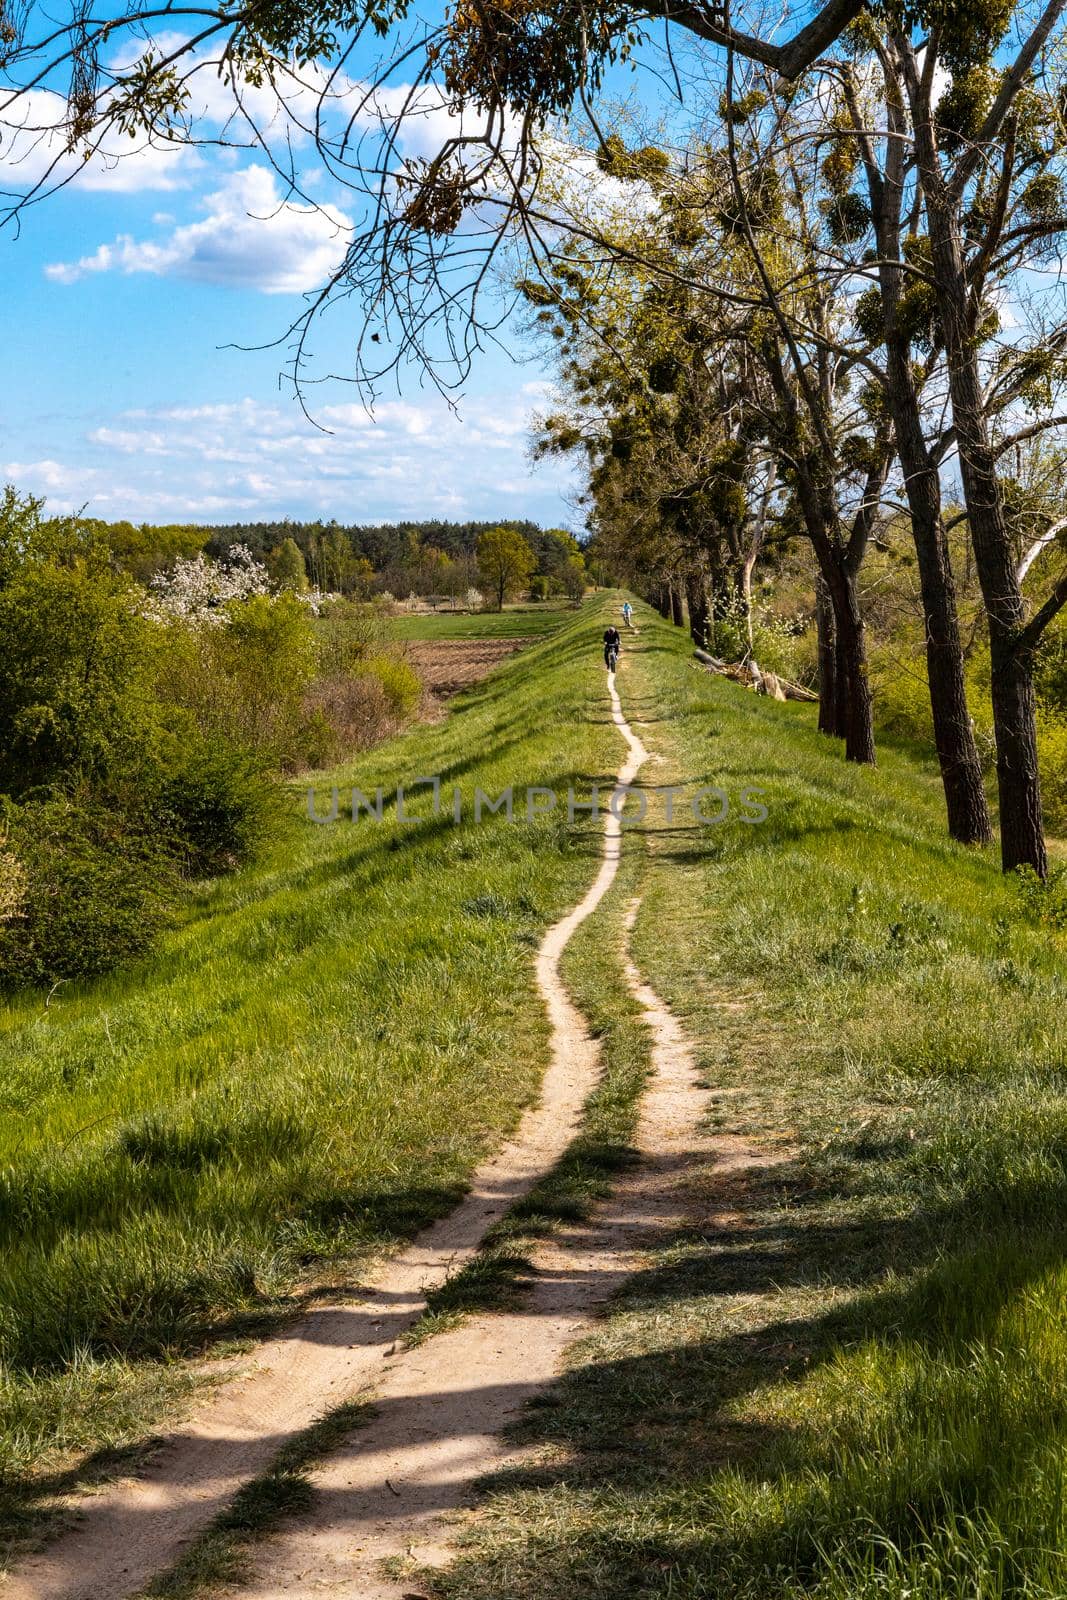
136,1527
391,1491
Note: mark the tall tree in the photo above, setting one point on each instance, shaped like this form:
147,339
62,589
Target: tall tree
505,562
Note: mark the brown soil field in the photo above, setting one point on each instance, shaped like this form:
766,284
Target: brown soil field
447,666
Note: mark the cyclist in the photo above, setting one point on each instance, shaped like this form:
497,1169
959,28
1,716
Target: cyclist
627,613
612,646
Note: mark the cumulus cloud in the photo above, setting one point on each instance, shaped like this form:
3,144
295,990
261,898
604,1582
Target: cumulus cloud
251,238
33,149
245,459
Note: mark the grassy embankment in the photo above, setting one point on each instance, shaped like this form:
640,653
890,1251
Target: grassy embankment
305,1074
853,1383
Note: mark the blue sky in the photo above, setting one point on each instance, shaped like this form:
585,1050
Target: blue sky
120,389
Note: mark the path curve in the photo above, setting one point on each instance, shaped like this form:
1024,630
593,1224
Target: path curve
136,1527
393,1488
390,1493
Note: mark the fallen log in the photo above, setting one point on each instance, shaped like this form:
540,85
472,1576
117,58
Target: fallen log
749,675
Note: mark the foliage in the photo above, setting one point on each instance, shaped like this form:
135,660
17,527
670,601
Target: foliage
1052,752
244,678
198,590
505,562
75,677
1044,900
13,883
216,808
287,567
94,891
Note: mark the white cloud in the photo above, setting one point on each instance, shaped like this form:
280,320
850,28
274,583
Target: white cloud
33,148
245,459
251,238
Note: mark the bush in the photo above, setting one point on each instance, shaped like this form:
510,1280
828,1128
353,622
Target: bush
346,712
75,678
539,587
245,680
1052,754
218,810
400,682
12,885
94,893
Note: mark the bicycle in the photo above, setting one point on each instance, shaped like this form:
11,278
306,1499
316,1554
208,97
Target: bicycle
611,657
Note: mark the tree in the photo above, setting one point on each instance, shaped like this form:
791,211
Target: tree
505,562
286,567
573,578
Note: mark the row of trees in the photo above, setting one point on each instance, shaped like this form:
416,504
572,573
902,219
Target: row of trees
504,562
439,560
827,311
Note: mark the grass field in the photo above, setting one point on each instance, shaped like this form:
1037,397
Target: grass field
514,622
845,1381
305,1074
855,1386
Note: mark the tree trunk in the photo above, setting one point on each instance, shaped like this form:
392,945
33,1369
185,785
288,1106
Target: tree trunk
852,657
661,599
826,632
957,753
676,613
744,594
696,593
1022,840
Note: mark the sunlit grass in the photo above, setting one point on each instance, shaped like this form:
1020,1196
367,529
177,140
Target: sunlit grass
525,621
305,1074
848,1378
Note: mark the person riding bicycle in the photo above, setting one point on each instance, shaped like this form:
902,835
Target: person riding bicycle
612,647
627,613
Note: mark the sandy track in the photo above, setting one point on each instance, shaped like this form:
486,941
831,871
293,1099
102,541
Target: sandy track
391,1489
440,1408
134,1528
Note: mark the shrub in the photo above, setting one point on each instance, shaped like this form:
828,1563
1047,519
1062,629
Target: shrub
94,893
12,885
218,810
345,714
75,677
1052,753
539,587
400,682
245,681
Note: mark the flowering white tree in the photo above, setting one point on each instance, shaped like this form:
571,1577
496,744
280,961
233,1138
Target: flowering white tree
475,599
198,590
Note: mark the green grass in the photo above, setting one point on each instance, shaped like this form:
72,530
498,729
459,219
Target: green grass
498,1274
514,622
304,1075
847,1379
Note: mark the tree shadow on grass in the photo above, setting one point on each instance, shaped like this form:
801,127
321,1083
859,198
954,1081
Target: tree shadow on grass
681,1478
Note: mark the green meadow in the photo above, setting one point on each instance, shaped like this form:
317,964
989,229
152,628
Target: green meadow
844,1378
514,622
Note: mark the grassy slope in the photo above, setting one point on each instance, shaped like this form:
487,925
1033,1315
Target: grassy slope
856,1384
514,622
308,1070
